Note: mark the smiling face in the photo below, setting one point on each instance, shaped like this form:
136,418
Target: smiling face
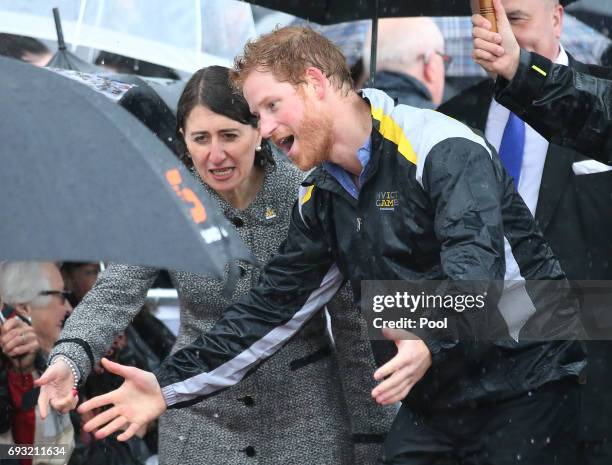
291,118
222,149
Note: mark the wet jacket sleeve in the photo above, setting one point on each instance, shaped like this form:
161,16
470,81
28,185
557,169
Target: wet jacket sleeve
466,193
567,107
105,311
294,285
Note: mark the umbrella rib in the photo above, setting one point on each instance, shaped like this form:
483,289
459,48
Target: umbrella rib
79,24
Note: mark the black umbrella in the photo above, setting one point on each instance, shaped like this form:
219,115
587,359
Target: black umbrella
339,11
82,180
143,100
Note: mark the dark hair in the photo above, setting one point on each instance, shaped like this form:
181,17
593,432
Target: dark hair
15,46
127,65
211,87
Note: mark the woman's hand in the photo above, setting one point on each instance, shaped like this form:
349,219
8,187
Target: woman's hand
56,385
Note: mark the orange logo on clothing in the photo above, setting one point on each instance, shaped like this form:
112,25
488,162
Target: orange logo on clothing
198,212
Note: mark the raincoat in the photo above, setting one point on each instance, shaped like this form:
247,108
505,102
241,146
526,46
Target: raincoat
451,208
568,107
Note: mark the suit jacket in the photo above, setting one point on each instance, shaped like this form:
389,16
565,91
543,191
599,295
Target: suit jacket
572,214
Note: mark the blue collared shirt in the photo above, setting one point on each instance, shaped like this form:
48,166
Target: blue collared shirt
343,176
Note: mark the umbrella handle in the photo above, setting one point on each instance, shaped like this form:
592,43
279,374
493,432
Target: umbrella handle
58,29
487,10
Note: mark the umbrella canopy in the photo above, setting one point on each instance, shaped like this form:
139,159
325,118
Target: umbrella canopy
82,180
140,99
338,11
65,59
181,34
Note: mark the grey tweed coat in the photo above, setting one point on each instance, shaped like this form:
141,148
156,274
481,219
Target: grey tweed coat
309,404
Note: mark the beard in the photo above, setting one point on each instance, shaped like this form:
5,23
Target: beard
315,139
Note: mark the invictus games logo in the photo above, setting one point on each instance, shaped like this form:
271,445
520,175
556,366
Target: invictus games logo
387,201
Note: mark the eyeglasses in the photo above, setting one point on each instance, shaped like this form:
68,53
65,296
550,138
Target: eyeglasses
63,295
446,59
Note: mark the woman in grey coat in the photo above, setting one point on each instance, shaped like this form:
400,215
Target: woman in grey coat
311,402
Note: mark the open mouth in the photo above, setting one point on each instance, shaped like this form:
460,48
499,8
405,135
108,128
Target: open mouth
222,172
285,143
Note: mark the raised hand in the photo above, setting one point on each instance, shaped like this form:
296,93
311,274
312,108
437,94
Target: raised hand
404,370
497,52
56,385
136,402
20,343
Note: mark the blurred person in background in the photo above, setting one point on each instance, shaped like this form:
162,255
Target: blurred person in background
35,290
410,60
312,402
566,191
25,49
79,278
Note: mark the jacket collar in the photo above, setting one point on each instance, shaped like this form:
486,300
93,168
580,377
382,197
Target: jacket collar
380,104
402,84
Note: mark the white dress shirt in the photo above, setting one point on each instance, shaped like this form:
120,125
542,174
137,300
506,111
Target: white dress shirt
534,156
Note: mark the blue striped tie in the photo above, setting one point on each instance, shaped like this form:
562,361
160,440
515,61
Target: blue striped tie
512,147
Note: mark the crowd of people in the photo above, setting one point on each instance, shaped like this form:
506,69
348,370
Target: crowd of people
505,182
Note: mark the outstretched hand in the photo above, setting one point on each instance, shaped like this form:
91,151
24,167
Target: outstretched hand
497,52
136,402
404,370
56,385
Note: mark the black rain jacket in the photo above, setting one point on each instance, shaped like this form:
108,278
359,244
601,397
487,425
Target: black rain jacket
454,209
567,107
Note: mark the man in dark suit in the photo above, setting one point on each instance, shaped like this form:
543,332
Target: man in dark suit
567,193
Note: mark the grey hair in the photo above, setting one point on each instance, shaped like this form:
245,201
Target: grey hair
402,41
21,282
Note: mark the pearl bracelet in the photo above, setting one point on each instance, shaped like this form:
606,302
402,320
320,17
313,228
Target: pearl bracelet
73,369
